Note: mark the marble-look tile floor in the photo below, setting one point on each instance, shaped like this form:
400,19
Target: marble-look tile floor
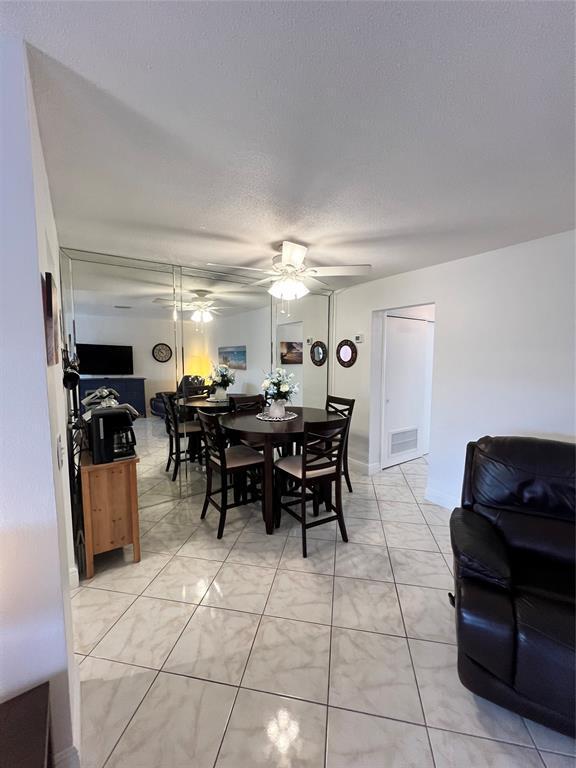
238,653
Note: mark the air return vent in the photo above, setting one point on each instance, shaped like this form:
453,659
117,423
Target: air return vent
403,441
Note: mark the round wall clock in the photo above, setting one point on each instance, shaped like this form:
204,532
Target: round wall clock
161,353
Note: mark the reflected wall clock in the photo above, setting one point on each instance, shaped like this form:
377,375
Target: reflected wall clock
161,353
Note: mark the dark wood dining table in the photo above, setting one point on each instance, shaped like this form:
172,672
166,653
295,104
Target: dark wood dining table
205,404
271,434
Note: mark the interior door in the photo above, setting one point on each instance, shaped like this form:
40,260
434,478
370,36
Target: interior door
407,389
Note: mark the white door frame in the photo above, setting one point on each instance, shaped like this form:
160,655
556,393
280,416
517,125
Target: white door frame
378,379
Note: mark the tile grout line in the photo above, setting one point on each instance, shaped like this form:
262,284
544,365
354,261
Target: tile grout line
239,687
410,653
330,653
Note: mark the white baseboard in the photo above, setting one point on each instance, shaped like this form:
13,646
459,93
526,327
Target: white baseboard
68,758
363,467
443,499
73,577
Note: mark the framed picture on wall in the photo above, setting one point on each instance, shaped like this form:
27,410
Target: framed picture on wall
233,357
51,316
291,352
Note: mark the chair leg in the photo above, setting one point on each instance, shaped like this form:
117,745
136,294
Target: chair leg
303,514
208,491
346,470
176,462
315,501
339,512
170,451
277,502
223,504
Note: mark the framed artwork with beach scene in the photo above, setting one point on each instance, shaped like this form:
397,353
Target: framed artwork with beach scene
233,357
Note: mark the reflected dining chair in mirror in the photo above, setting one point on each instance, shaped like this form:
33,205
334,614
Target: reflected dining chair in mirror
343,407
246,403
178,430
318,353
301,477
346,353
240,464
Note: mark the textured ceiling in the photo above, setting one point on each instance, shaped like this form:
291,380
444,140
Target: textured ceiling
400,134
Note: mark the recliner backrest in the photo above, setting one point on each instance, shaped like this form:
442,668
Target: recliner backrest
526,474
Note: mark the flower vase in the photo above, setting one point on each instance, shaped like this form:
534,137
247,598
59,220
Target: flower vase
220,393
277,409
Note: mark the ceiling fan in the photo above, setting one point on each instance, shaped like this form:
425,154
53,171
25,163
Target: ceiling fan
202,307
292,278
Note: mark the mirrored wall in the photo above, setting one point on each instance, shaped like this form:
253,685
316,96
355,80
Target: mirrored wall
145,328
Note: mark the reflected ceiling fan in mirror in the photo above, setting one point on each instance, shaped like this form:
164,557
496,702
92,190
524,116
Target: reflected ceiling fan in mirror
198,302
292,278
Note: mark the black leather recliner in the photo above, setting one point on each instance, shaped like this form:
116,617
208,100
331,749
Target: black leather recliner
514,570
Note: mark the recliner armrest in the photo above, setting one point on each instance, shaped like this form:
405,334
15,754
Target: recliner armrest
479,549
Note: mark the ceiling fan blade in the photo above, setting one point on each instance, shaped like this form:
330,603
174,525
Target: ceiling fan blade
314,284
293,254
234,266
343,271
266,280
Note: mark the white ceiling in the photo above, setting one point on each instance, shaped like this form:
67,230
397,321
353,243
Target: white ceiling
397,133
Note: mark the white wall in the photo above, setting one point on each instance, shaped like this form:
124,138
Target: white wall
312,312
251,329
504,351
141,334
35,628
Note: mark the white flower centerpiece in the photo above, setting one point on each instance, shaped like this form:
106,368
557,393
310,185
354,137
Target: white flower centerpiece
278,387
222,376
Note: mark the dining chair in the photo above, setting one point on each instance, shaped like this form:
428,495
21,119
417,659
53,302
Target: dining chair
246,403
318,466
178,430
343,407
238,463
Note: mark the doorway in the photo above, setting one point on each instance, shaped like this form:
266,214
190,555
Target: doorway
407,357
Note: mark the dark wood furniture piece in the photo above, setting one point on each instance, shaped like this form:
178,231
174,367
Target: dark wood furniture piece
319,462
247,403
109,507
25,730
271,433
238,462
129,388
177,431
345,408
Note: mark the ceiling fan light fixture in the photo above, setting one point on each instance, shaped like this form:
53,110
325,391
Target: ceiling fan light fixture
288,289
196,316
207,316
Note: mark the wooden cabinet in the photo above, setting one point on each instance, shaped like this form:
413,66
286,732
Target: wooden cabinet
110,508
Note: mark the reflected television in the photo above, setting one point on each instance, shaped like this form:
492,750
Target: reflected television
105,359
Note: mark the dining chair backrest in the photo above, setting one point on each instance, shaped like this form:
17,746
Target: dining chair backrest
214,439
323,447
189,384
170,413
341,405
246,403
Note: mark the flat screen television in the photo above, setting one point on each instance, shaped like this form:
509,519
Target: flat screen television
105,359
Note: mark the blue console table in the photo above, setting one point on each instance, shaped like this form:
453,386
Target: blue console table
131,390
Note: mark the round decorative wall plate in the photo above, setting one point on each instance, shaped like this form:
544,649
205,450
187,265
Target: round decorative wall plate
346,353
161,352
